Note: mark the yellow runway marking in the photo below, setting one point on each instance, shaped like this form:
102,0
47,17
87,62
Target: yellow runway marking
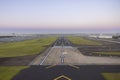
50,66
76,67
62,77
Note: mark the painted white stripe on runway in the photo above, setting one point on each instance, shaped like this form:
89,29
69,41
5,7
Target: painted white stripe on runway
46,57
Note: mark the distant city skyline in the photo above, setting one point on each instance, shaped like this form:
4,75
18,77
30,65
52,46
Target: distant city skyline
59,16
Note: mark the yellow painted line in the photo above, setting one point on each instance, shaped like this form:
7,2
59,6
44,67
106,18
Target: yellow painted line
51,66
62,76
76,67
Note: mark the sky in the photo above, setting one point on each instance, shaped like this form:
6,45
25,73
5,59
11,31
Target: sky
49,16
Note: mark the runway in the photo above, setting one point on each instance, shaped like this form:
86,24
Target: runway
72,56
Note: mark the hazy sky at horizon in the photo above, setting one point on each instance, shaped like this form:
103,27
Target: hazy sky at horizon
64,15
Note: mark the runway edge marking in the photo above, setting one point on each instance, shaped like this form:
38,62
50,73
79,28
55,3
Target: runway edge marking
46,56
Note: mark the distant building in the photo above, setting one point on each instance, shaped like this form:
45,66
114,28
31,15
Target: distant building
94,35
6,34
117,36
106,36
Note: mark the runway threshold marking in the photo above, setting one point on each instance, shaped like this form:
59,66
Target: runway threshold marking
62,77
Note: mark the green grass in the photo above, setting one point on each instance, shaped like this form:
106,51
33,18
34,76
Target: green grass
82,41
23,48
109,53
111,76
8,72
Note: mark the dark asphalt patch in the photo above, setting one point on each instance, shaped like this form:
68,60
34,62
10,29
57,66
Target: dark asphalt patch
90,50
85,72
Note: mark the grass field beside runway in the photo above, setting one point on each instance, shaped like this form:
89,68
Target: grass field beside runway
108,53
111,76
8,72
29,47
82,41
